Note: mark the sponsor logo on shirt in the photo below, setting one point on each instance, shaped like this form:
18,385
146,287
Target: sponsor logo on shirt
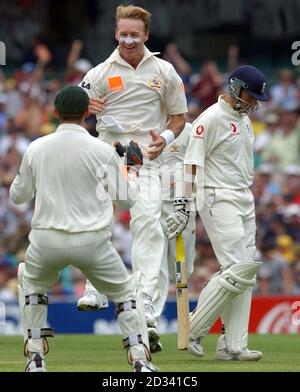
234,129
115,83
174,148
85,85
154,83
199,132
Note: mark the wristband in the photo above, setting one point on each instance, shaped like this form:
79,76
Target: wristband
168,135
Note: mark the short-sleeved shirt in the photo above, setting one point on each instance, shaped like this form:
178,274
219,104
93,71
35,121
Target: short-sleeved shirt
221,142
74,178
138,99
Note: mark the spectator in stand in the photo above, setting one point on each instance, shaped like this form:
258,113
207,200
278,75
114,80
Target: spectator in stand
182,67
296,275
76,67
285,247
274,269
233,61
263,139
209,86
284,147
264,188
284,93
292,221
291,184
3,114
13,139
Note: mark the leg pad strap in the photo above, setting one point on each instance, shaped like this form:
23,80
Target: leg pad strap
38,333
124,306
36,299
132,341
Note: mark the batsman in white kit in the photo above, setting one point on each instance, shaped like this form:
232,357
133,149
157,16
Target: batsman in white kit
219,160
74,178
133,93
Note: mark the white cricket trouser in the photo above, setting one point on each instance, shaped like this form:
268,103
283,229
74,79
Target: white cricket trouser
91,252
168,264
229,219
147,233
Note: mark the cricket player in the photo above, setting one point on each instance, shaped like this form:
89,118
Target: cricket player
73,178
132,94
172,155
220,157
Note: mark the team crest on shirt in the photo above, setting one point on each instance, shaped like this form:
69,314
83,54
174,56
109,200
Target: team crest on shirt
154,83
174,147
199,132
234,130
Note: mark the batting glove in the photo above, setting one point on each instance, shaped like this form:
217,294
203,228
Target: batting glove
177,221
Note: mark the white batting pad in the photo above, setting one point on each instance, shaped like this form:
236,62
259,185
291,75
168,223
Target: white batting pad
236,318
222,288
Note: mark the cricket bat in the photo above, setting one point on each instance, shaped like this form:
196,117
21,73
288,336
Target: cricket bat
182,298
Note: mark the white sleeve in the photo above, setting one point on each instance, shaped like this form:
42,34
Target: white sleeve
202,141
23,187
91,83
175,96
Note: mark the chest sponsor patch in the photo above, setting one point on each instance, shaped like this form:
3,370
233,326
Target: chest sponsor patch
234,130
115,83
199,132
154,83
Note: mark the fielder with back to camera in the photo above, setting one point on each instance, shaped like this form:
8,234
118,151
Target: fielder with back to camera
74,178
219,159
132,94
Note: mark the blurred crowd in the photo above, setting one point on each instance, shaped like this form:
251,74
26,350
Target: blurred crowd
26,113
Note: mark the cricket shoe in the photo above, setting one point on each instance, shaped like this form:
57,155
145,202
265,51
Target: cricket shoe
35,363
154,343
144,366
195,347
244,355
92,300
149,310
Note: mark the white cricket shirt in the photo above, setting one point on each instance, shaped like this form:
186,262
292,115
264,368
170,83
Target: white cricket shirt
73,177
138,99
221,141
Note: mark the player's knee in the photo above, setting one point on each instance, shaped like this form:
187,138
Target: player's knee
238,277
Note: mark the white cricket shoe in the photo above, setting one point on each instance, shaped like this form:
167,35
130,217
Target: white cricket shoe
92,300
35,363
195,347
154,343
223,354
144,366
244,355
149,311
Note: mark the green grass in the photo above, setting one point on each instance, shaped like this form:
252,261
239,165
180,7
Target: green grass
104,353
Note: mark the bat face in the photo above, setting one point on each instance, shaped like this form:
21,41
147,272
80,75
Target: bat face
183,311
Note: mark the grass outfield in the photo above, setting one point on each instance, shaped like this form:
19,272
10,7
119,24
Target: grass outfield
103,353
